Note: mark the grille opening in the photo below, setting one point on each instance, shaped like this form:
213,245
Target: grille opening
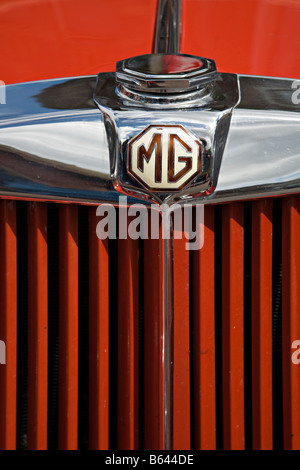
277,326
113,343
248,324
191,326
23,264
218,327
141,345
22,328
83,328
53,328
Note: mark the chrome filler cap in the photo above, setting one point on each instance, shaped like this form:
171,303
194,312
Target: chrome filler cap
165,73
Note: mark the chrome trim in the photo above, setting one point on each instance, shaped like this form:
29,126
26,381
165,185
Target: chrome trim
208,118
53,143
165,73
262,152
167,34
167,39
168,326
175,100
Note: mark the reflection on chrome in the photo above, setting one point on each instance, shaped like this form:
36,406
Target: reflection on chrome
53,142
263,148
74,143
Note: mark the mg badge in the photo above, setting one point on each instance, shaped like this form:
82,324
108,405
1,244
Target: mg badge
166,162
164,158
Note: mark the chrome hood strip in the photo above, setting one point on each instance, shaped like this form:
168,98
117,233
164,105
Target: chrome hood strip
262,153
53,143
167,34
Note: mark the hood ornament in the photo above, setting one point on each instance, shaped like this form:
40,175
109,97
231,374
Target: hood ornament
167,117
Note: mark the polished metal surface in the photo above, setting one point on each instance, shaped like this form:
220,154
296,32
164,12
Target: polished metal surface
207,118
168,320
165,73
54,145
167,34
262,153
167,40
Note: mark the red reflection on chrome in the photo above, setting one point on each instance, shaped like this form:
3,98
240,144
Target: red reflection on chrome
177,64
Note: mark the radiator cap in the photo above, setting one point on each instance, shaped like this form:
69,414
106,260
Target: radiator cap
165,73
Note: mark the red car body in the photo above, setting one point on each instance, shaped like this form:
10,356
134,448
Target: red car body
44,39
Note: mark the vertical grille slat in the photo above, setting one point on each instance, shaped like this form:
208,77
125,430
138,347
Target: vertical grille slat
203,338
277,326
290,320
53,324
248,323
262,324
8,324
113,344
68,327
153,346
83,328
218,325
128,344
22,325
181,346
232,325
99,337
37,326
83,322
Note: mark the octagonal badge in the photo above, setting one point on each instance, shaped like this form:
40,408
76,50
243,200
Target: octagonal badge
164,158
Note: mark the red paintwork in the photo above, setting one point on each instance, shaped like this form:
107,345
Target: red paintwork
128,348
153,346
259,37
233,325
99,338
43,39
204,338
262,423
68,327
181,341
290,320
8,324
37,326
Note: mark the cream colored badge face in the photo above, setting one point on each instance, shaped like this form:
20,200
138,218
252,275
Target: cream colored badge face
164,158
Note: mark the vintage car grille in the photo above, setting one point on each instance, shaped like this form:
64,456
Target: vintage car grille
81,319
